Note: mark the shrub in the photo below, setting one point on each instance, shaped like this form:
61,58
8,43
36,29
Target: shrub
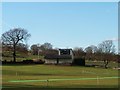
27,61
79,61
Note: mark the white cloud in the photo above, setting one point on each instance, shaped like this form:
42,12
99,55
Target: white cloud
114,39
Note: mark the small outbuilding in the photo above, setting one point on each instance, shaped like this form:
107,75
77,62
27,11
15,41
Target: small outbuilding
64,56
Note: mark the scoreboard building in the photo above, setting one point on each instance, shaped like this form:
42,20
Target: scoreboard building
65,56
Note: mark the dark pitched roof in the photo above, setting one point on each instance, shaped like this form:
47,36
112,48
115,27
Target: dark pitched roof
50,56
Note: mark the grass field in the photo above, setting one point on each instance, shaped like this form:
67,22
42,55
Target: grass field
34,77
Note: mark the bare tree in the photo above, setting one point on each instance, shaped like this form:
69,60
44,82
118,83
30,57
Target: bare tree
107,49
34,49
91,52
88,51
22,49
13,37
46,46
79,52
94,48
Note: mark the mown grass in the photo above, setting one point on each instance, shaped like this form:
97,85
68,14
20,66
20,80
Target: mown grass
41,72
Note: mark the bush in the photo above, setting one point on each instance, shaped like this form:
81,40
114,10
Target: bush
79,61
39,61
27,61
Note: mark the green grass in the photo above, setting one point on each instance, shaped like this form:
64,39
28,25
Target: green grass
47,72
101,63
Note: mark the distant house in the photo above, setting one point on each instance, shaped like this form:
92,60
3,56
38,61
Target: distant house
64,56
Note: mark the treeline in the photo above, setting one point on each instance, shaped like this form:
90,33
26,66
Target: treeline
105,51
13,45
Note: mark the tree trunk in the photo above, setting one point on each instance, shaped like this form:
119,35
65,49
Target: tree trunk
14,53
57,61
106,63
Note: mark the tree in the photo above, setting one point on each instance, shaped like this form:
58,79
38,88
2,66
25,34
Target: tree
13,37
79,52
46,46
107,46
91,52
88,51
107,49
94,48
34,49
22,49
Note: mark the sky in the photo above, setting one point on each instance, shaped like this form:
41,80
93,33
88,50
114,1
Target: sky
63,24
